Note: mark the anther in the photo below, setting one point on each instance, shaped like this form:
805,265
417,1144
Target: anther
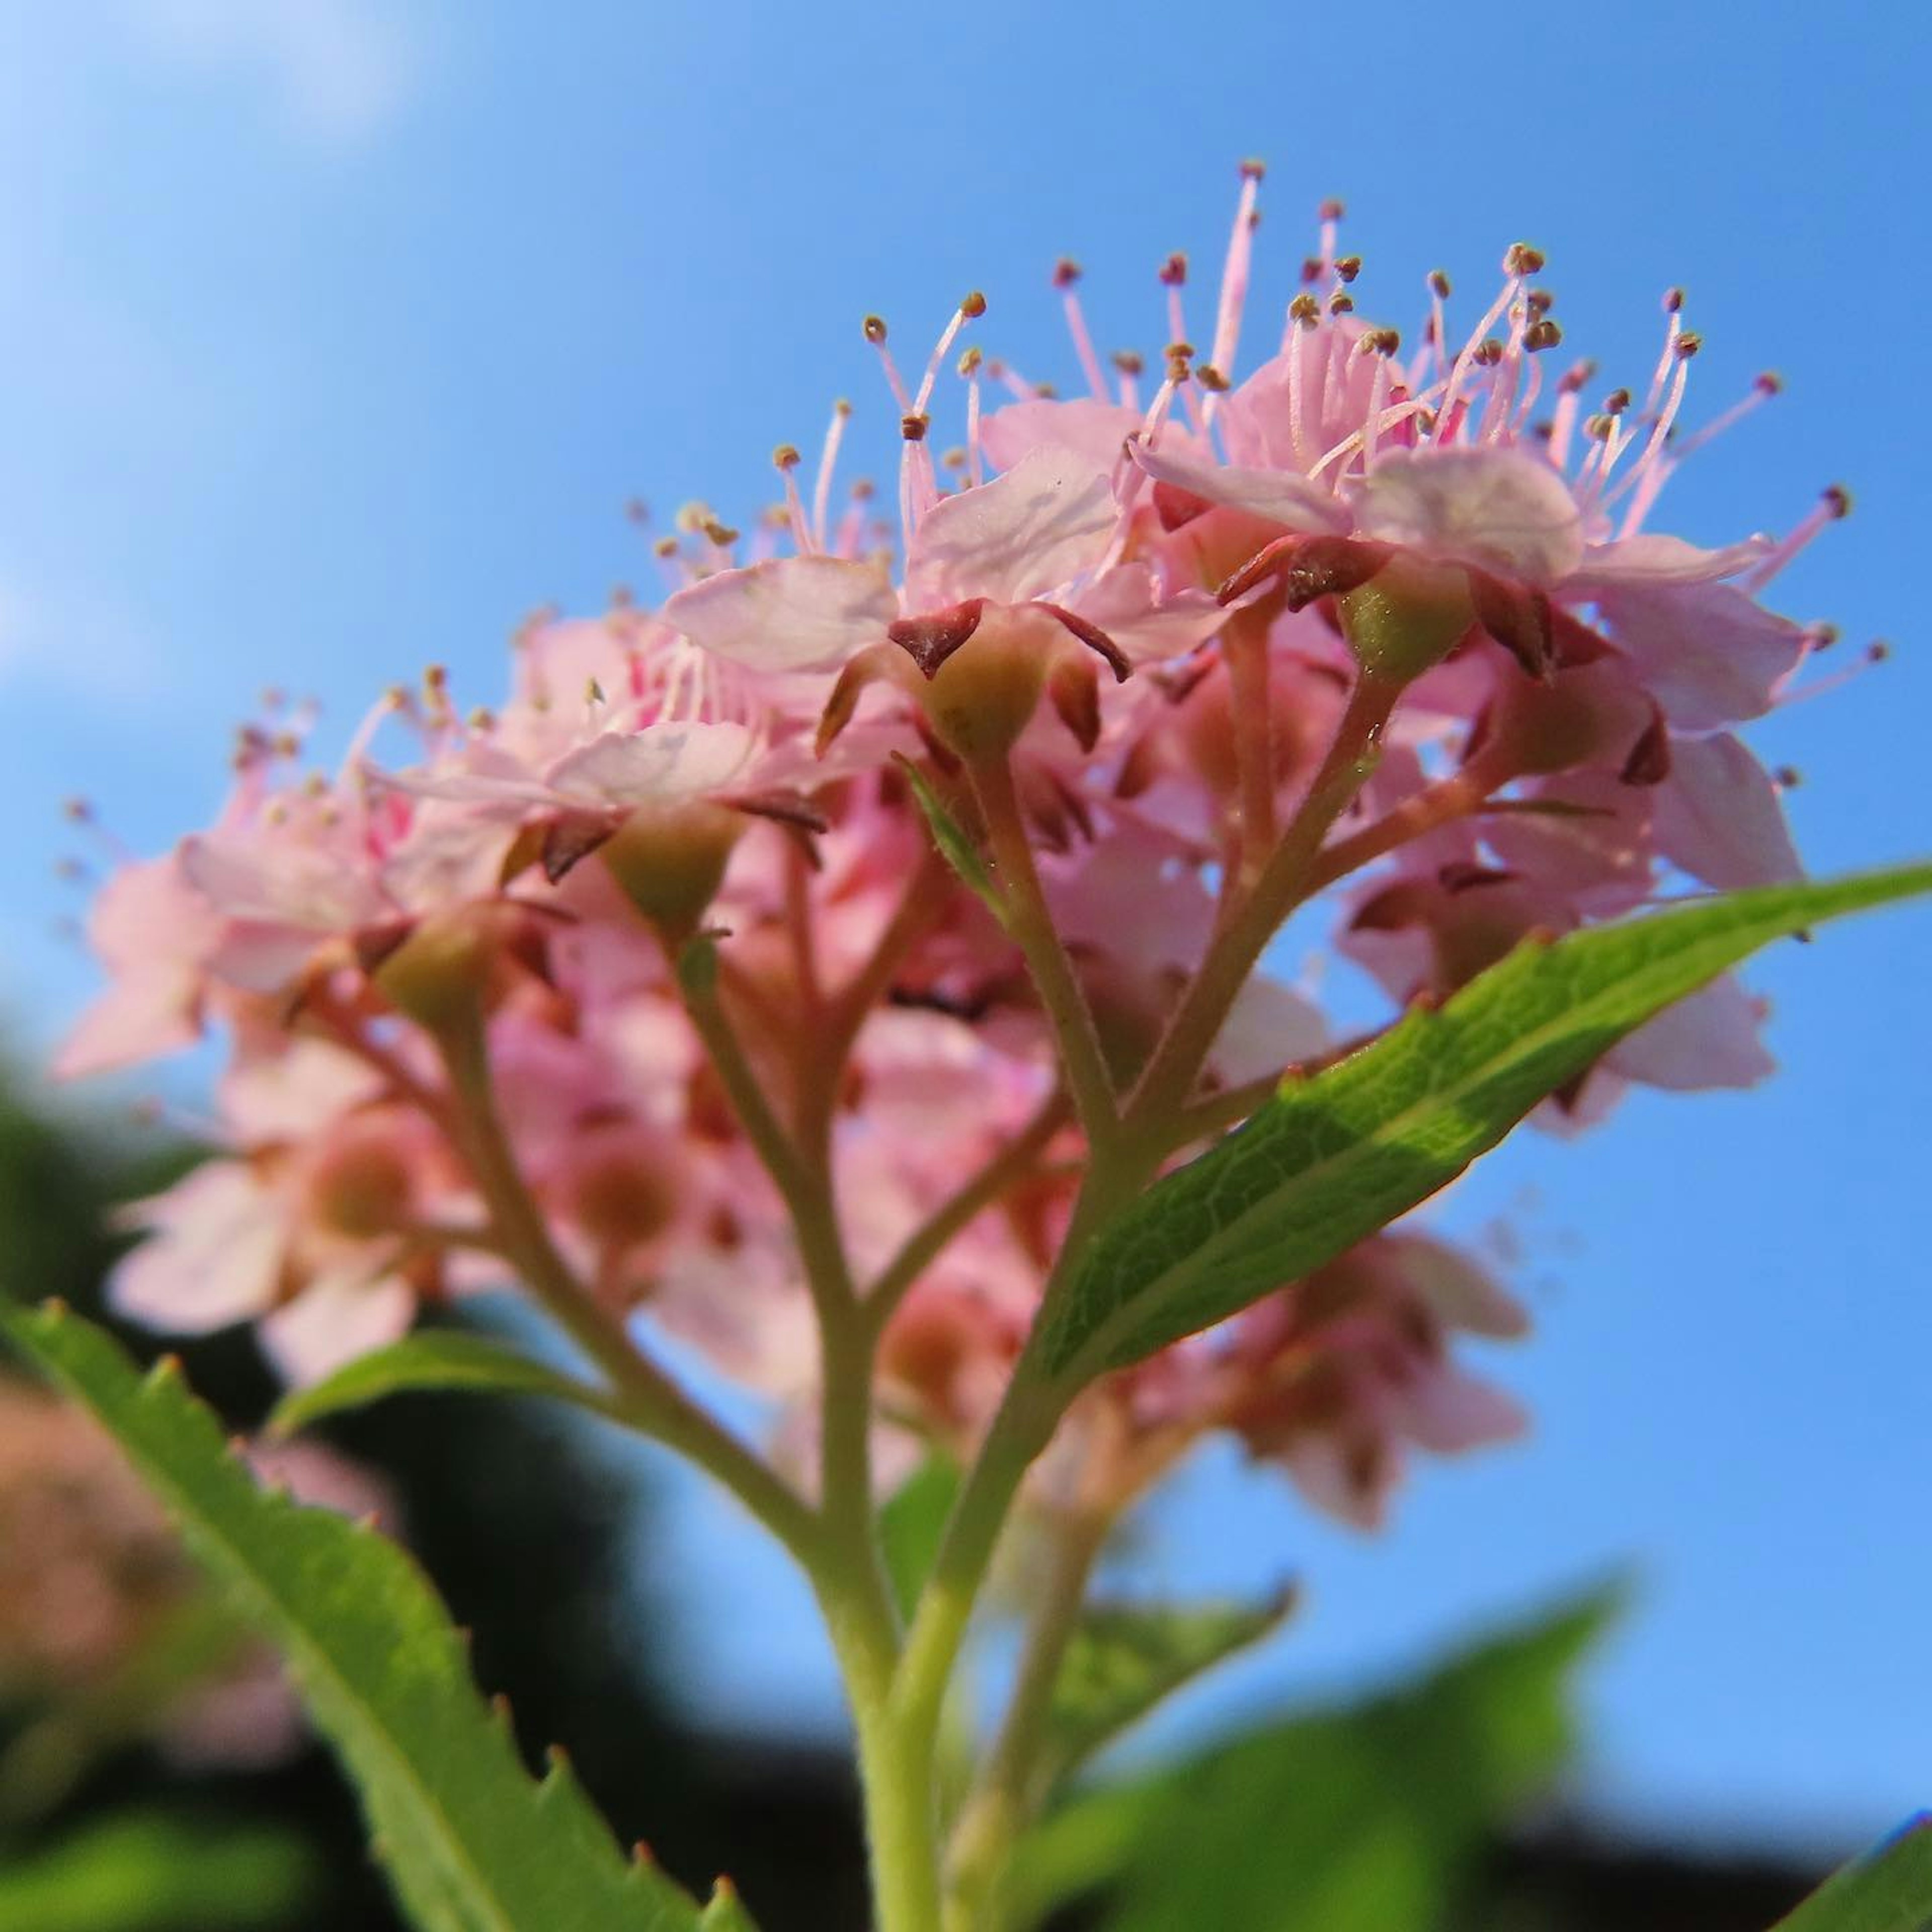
1253,170
1544,334
1769,383
1438,284
1838,500
1331,210
1174,270
1673,301
785,457
970,360
1523,260
1539,302
1688,344
1340,303
1210,378
665,546
722,534
875,328
1348,267
913,427
1127,362
1379,342
1487,353
1305,310
1573,378
1616,402
1788,777
973,305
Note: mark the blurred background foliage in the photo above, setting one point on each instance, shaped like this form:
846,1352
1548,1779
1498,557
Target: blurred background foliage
1433,1806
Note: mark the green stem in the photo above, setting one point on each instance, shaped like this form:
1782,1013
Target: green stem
1031,923
1006,1793
642,1394
1169,1076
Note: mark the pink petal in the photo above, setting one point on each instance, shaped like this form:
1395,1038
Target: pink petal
337,1317
212,1256
789,614
660,761
1125,602
1092,431
1720,817
1269,1027
1457,1291
1709,655
145,1014
1447,1411
1282,496
1493,507
1659,560
1017,537
1708,1040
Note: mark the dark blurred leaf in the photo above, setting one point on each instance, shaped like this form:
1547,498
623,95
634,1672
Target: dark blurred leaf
147,1872
1889,1891
1360,1820
435,1359
1123,1659
473,1842
912,1523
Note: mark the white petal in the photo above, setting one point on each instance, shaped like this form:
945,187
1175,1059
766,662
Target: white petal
1282,496
1494,508
789,614
1091,431
1126,603
1019,536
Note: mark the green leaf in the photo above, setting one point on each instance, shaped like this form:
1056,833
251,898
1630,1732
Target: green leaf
1330,1159
436,1358
473,1842
912,1524
1123,1659
726,1912
145,1871
959,850
1360,1820
1889,1891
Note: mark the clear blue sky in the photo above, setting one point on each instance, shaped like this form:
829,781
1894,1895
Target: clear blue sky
336,334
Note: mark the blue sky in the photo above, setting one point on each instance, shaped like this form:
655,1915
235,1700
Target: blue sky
338,333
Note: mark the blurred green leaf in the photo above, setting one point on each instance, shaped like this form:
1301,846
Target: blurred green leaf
1889,1891
1329,1160
726,1912
1358,1820
912,1522
436,1358
957,850
472,1842
1123,1659
148,1872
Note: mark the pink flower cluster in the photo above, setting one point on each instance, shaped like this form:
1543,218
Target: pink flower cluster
1144,630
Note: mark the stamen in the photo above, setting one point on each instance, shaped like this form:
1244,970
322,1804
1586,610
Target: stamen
1130,366
787,459
969,368
1835,503
970,308
1174,279
1234,274
1067,274
875,334
1673,310
1760,392
1329,214
828,461
1653,467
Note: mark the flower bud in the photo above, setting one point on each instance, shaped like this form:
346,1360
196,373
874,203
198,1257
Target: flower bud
985,694
437,976
1407,618
669,861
